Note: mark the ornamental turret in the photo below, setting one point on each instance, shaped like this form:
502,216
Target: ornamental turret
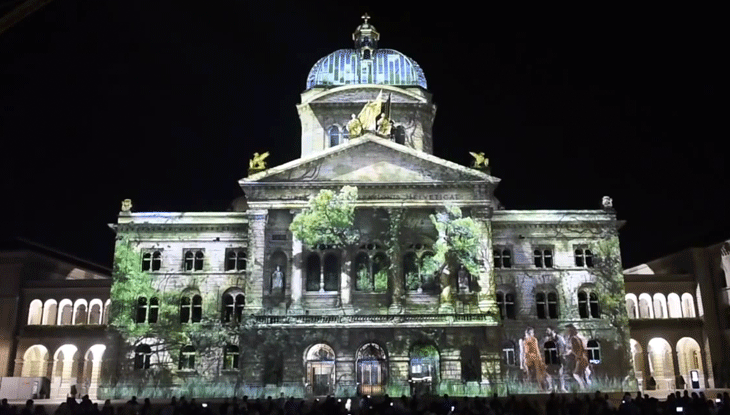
366,38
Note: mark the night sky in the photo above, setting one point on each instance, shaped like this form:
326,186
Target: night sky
164,102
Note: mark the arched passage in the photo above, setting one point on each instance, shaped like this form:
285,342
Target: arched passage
50,311
660,306
631,305
35,312
320,366
688,306
637,360
65,370
95,310
689,357
661,364
65,312
80,312
92,370
646,310
675,306
35,362
372,369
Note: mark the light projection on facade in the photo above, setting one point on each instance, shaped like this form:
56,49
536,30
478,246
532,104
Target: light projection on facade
367,265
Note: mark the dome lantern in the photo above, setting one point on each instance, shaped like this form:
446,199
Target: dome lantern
366,38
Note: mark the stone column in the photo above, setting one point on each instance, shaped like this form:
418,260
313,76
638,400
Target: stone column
395,217
677,373
487,295
256,244
296,277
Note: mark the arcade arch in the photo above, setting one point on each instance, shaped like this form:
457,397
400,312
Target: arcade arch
372,369
661,364
660,306
35,362
689,357
319,361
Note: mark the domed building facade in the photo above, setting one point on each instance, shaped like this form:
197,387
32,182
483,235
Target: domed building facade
244,301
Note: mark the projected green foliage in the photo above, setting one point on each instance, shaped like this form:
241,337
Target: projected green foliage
611,294
328,219
458,243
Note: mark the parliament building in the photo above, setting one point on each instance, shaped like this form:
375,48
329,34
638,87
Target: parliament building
224,302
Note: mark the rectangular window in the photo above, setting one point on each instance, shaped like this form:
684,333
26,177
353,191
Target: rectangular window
235,259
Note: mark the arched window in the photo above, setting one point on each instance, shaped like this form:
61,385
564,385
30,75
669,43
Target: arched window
551,353
471,366
235,259
594,351
371,268
334,135
95,311
154,310
105,316
631,309
142,357
230,357
543,257
506,304
331,272
191,308
233,304
588,304
194,259
152,260
541,303
141,310
415,275
313,272
187,358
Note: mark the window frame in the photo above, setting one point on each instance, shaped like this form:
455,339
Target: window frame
196,256
543,257
583,257
239,260
594,352
500,254
151,260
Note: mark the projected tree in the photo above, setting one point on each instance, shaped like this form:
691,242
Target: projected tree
458,244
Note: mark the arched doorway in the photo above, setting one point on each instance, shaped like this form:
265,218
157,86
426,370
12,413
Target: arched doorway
689,358
320,366
372,368
424,369
661,364
35,362
65,371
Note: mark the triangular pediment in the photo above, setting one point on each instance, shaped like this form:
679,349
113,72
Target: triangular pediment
370,159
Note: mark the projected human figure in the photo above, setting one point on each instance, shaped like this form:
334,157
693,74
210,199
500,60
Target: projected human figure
531,361
560,345
577,347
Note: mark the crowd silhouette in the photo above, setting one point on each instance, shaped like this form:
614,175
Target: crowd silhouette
564,404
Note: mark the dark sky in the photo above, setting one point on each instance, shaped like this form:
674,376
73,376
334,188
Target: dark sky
165,101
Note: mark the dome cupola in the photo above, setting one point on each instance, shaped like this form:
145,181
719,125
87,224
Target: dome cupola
366,38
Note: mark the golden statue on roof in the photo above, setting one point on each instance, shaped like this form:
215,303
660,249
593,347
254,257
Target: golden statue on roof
257,162
480,162
367,119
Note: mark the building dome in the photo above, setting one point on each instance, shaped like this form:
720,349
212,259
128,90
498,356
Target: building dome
366,64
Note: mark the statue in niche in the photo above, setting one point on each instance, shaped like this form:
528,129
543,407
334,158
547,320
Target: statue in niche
277,281
127,205
257,162
607,202
463,279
